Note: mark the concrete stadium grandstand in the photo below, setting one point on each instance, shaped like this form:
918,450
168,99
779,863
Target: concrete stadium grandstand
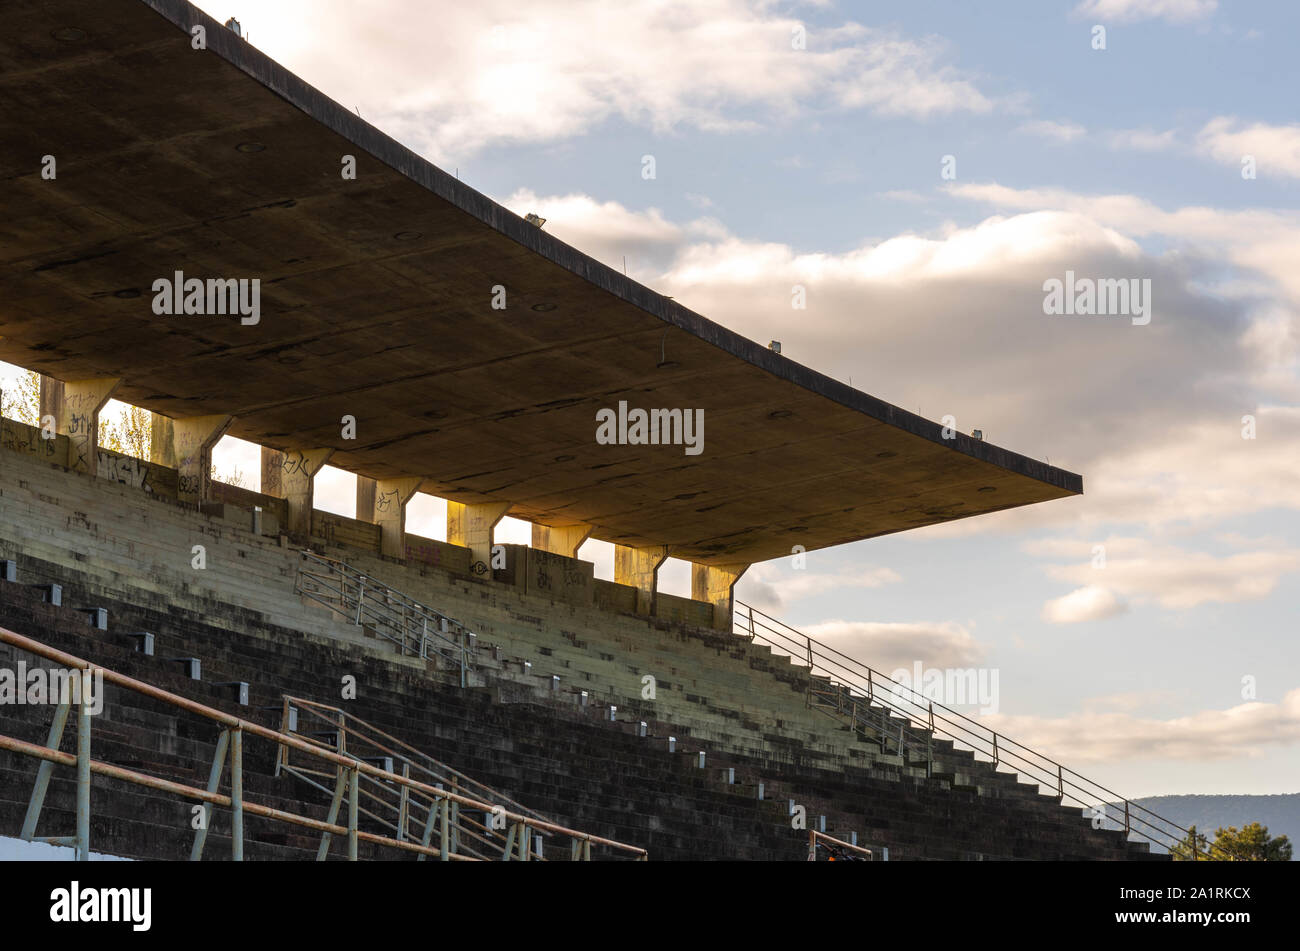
231,673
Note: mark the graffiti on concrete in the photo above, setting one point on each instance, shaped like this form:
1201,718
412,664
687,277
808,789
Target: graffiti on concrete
123,470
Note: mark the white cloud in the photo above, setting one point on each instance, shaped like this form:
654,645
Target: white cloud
502,72
1276,148
1143,140
1175,578
1177,11
1153,415
1089,603
1057,131
1250,729
890,646
772,585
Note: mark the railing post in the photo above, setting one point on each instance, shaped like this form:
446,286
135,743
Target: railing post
43,772
340,784
361,594
444,831
83,777
214,783
455,819
1126,819
871,692
354,794
995,749
237,794
403,809
932,716
1060,783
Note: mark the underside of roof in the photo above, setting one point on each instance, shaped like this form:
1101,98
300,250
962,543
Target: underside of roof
376,301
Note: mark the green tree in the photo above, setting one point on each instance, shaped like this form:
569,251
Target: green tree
131,433
1195,845
1252,844
23,403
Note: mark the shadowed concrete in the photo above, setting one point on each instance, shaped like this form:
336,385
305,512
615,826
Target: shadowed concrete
377,303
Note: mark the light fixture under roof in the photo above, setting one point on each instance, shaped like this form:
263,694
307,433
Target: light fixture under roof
69,34
544,308
250,147
535,220
780,414
408,235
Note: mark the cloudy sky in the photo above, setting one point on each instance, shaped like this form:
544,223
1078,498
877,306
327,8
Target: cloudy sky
923,176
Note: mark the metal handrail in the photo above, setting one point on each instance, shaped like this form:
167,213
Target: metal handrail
851,680
349,772
815,837
353,731
413,626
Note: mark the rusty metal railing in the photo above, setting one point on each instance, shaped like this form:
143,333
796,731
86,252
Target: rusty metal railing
347,771
403,811
367,602
837,849
903,719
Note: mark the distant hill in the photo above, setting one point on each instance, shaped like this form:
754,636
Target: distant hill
1281,814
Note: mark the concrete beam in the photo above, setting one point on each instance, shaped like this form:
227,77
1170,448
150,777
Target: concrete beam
564,540
715,584
75,406
388,511
639,567
290,476
471,526
192,440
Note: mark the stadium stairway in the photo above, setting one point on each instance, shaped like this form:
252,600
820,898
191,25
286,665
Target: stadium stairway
511,732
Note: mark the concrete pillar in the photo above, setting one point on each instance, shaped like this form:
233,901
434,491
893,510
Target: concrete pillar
471,525
365,498
563,540
192,440
388,511
162,434
51,399
75,406
639,567
289,476
715,583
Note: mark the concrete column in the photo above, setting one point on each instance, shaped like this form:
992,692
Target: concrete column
365,498
289,476
563,540
388,511
639,567
715,583
471,525
162,434
75,406
51,399
192,440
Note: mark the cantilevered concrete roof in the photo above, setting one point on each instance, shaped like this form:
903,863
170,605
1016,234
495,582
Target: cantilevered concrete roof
376,302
